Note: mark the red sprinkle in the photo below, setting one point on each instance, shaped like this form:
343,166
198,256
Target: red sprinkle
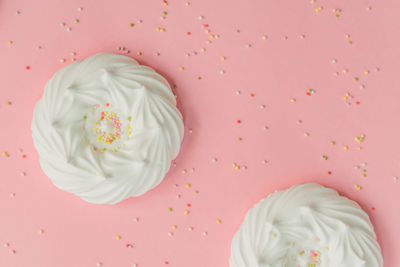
252,95
166,262
27,67
188,205
23,156
188,33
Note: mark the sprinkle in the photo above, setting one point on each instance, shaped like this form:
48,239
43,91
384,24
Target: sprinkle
170,209
174,226
129,245
324,157
196,191
166,262
80,9
22,173
188,185
306,134
318,9
181,68
332,143
5,154
264,37
69,29
139,53
186,212
223,58
198,78
357,187
117,237
99,264
218,221
76,20
356,79
293,100
41,231
345,148
238,121
170,234
239,139
23,156
27,67
190,228
6,244
131,25
10,42
214,160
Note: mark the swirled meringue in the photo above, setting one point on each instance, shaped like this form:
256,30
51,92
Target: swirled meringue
107,128
306,226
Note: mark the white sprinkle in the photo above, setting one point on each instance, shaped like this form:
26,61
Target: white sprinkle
248,45
205,233
333,60
264,161
264,37
222,72
214,160
266,128
201,17
136,219
80,9
22,173
237,92
69,29
262,106
395,178
184,171
62,24
99,264
12,195
170,234
190,131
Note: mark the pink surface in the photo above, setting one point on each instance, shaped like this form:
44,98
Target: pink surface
305,49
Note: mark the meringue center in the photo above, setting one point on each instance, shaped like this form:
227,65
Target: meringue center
106,128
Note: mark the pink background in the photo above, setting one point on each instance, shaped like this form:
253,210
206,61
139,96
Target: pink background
304,49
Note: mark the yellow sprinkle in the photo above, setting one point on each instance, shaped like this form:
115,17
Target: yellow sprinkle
357,187
5,154
186,212
318,9
196,191
345,147
366,72
115,150
345,70
223,58
332,142
181,68
10,42
212,36
129,133
129,118
118,237
139,53
347,35
273,235
239,139
306,134
170,209
359,147
356,79
293,100
174,227
188,185
218,221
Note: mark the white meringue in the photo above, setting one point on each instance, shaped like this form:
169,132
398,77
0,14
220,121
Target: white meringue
107,128
306,226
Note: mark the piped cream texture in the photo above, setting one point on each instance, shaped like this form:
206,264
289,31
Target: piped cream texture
107,128
306,226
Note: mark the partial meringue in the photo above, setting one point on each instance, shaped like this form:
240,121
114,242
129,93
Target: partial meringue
107,128
306,226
